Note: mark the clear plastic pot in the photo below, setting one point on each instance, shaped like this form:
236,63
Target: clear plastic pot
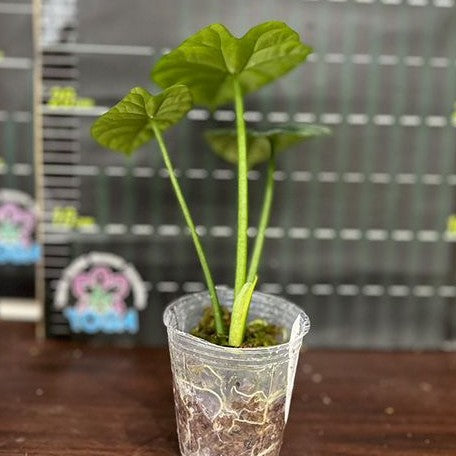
232,401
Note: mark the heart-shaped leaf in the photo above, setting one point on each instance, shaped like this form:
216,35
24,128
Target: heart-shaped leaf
260,143
128,125
209,60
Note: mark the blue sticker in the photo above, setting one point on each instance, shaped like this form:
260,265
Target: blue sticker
19,255
90,322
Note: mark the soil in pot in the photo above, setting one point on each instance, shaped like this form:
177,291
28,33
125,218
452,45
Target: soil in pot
259,333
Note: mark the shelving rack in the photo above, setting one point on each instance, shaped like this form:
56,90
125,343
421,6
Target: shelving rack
359,235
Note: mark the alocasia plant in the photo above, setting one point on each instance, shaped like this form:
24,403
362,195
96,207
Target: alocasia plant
213,67
218,68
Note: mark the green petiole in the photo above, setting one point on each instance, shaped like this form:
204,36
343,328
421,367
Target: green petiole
242,300
242,290
243,208
264,219
219,324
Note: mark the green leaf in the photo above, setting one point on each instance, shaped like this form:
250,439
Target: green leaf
259,143
129,124
209,60
240,313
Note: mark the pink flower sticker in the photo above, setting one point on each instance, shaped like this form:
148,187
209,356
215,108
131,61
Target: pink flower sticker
16,224
102,290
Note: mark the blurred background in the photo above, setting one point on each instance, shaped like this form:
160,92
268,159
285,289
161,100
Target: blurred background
362,233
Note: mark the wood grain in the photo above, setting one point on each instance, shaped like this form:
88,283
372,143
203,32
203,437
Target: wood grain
60,398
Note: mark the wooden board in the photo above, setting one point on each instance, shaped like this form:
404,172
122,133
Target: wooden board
62,398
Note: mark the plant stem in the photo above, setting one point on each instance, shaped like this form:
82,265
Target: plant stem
264,219
243,209
219,324
240,313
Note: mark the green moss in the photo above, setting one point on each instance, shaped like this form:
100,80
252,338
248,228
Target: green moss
259,333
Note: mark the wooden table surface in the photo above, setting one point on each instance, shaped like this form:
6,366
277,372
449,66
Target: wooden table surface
61,398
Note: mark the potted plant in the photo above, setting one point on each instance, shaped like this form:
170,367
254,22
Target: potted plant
233,352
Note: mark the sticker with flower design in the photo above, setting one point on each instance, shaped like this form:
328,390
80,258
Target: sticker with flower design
101,293
18,220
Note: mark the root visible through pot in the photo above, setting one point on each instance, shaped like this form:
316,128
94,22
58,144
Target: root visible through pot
250,425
